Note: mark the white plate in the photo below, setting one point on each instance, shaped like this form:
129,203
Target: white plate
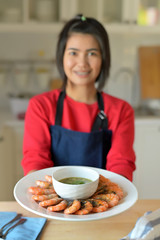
24,198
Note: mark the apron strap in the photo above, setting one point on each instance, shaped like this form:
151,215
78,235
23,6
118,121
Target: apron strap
59,110
101,121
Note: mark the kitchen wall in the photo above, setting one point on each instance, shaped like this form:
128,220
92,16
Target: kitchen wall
124,51
23,46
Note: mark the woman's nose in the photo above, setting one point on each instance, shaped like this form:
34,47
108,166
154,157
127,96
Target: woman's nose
83,60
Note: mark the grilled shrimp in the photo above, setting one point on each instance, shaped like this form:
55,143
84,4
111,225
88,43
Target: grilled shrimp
111,198
48,178
107,195
40,198
43,184
75,206
50,202
114,188
40,191
86,207
106,186
99,205
103,181
59,207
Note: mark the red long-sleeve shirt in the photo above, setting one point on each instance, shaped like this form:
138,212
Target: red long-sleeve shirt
78,116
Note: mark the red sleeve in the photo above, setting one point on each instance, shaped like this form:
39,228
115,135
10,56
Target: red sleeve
37,139
121,157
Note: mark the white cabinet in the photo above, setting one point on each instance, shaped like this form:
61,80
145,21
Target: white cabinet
29,16
91,8
3,177
49,15
22,11
10,159
147,148
11,11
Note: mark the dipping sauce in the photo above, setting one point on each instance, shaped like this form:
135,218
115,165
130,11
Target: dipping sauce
75,180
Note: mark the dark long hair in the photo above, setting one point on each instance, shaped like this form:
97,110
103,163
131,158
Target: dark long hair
81,24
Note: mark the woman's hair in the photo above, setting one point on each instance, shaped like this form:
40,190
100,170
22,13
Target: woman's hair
81,24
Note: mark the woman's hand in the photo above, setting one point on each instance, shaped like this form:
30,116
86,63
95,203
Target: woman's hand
31,171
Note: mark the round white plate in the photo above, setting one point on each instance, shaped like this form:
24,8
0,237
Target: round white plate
24,198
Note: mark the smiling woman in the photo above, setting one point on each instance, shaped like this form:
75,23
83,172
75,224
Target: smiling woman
82,64
80,124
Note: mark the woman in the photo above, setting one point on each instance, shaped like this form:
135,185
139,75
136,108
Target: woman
79,125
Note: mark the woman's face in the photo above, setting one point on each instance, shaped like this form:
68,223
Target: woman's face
82,59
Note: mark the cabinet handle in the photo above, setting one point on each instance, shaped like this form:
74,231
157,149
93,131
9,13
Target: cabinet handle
1,139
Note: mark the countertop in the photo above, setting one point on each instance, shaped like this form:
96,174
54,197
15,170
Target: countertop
113,228
7,118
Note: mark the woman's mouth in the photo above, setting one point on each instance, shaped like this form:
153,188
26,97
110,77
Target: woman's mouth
82,74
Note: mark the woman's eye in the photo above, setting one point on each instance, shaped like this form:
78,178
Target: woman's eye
92,54
72,53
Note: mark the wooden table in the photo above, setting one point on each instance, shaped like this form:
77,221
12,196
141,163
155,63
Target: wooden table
113,228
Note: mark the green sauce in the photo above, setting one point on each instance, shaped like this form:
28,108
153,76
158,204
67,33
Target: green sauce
75,180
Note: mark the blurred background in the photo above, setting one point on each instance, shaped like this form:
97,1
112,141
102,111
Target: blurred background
28,37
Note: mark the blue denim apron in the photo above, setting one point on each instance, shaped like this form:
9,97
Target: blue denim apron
80,148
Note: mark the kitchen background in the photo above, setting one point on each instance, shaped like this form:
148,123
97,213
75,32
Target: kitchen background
28,36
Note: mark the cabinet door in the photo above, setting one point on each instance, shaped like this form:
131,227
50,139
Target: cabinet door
6,172
147,148
2,173
103,10
10,164
18,153
11,11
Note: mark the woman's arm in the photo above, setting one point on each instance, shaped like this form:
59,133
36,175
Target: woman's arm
121,157
37,140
